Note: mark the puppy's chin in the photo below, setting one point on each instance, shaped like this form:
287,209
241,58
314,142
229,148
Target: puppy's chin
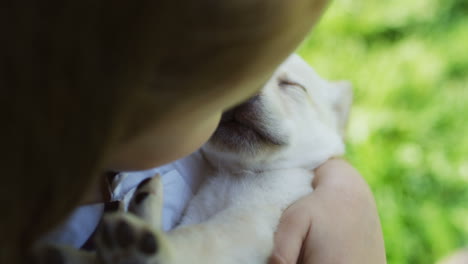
236,137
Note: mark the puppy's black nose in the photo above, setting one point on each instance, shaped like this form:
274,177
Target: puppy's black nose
245,110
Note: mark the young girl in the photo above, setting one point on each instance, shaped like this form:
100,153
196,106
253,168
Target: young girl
96,85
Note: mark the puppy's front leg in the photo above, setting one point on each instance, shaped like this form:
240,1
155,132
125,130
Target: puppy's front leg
135,237
234,236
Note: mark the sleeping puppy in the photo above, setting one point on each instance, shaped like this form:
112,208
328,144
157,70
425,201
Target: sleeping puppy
262,153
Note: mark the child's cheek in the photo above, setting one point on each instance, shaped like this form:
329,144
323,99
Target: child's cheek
163,145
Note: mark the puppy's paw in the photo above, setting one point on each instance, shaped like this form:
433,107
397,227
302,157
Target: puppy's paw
147,201
126,239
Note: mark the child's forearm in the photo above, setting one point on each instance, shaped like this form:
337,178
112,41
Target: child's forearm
337,223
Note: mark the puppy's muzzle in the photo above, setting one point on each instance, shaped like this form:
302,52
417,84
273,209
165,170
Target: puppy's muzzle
251,115
247,113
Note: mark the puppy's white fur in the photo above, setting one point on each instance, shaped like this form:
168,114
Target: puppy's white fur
233,217
262,155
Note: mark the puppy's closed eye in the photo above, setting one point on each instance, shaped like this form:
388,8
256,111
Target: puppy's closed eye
285,83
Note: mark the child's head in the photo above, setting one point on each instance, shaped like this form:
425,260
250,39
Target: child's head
125,85
225,57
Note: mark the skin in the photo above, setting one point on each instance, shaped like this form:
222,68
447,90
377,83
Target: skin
312,230
182,129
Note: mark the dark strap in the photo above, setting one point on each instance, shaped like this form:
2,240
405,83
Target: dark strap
109,206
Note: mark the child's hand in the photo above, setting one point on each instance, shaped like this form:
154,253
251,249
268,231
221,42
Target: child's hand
337,223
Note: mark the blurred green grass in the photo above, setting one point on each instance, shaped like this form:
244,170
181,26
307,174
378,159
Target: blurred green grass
408,133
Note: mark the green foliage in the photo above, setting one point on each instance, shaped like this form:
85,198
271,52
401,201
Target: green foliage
408,133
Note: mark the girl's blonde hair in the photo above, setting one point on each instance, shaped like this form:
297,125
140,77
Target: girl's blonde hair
76,76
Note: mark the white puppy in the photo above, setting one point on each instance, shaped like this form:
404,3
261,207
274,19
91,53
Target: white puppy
262,154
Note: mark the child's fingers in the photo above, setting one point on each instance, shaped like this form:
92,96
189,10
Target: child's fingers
289,237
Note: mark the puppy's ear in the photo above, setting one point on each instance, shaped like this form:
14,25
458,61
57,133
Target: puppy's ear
341,93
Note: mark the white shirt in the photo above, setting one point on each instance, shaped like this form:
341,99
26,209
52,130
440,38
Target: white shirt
180,179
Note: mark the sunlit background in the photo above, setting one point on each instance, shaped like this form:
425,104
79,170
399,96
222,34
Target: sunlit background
408,135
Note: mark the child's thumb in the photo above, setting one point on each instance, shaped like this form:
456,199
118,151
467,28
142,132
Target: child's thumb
289,237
